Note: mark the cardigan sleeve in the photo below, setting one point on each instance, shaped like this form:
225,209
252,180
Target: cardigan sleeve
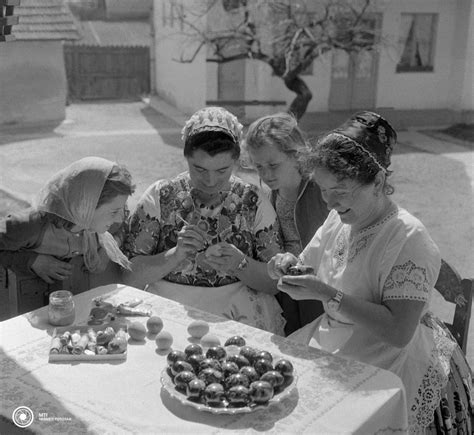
19,235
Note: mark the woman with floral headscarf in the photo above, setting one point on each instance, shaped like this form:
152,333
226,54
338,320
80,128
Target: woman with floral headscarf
203,238
375,267
70,221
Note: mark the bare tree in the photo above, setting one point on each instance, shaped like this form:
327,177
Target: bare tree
288,35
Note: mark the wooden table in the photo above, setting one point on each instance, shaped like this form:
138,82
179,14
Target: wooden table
332,395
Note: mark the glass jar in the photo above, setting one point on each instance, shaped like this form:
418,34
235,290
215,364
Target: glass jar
61,310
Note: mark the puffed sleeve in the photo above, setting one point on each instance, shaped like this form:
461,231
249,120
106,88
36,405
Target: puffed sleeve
19,235
144,227
415,268
267,238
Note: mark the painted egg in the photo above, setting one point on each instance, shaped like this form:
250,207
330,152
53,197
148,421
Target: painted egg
137,331
198,328
154,324
210,340
164,340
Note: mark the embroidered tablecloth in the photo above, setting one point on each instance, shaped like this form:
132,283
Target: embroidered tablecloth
332,396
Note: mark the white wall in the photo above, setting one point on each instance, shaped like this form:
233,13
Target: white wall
417,90
126,9
465,64
32,83
181,84
449,86
262,85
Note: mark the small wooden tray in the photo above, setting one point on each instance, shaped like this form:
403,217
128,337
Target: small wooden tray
55,357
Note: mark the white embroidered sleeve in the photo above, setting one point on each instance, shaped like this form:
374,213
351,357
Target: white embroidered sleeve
415,270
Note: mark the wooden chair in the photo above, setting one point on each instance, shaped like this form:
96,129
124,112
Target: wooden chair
458,291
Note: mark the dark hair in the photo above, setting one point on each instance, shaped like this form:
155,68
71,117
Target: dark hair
342,157
119,182
212,142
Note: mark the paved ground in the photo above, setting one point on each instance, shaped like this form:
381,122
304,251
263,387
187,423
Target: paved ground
433,178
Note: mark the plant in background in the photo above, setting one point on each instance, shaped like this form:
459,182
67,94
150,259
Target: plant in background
287,35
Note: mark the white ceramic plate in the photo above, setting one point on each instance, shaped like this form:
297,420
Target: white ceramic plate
168,385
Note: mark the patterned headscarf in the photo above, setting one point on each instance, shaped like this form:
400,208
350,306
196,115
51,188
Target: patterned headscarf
372,134
73,194
213,119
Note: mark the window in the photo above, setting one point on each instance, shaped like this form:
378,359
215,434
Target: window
417,37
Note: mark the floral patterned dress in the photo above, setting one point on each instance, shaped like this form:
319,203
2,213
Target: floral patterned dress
243,217
392,260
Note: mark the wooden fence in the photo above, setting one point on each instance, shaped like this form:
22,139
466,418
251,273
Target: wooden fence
95,72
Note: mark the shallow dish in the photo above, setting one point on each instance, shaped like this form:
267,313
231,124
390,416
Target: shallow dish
60,357
169,386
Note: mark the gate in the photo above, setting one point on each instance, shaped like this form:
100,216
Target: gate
95,72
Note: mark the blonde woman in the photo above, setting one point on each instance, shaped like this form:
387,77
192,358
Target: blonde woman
273,143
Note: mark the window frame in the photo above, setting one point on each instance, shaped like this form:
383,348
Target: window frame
403,68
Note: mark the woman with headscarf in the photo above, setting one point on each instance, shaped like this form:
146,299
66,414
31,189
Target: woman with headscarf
69,221
375,267
203,238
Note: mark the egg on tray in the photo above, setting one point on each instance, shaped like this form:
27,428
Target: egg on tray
208,375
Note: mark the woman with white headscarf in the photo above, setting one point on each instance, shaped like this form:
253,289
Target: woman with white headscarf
71,218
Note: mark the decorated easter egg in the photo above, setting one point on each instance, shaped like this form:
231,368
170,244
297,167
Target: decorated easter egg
137,331
154,324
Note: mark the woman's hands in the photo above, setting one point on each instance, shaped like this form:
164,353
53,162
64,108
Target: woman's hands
190,241
224,257
279,264
305,287
299,287
49,268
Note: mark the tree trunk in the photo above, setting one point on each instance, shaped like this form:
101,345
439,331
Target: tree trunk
303,95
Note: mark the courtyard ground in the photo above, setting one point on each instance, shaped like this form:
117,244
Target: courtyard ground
433,175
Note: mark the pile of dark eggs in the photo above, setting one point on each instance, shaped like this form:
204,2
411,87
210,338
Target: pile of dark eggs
230,376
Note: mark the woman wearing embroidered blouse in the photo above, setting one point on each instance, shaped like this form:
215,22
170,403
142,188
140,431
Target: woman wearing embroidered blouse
203,238
272,144
70,220
375,266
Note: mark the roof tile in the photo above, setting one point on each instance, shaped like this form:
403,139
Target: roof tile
44,20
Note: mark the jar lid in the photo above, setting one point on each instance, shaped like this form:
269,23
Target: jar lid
61,294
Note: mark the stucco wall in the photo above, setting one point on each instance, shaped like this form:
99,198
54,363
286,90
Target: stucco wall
32,83
126,9
419,90
449,86
181,84
466,64
262,85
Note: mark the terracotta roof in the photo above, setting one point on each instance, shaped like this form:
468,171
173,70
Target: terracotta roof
116,33
44,20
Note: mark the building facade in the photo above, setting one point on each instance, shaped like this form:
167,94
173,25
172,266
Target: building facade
423,66
33,86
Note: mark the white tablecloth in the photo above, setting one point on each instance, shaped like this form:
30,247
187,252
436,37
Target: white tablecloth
332,395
